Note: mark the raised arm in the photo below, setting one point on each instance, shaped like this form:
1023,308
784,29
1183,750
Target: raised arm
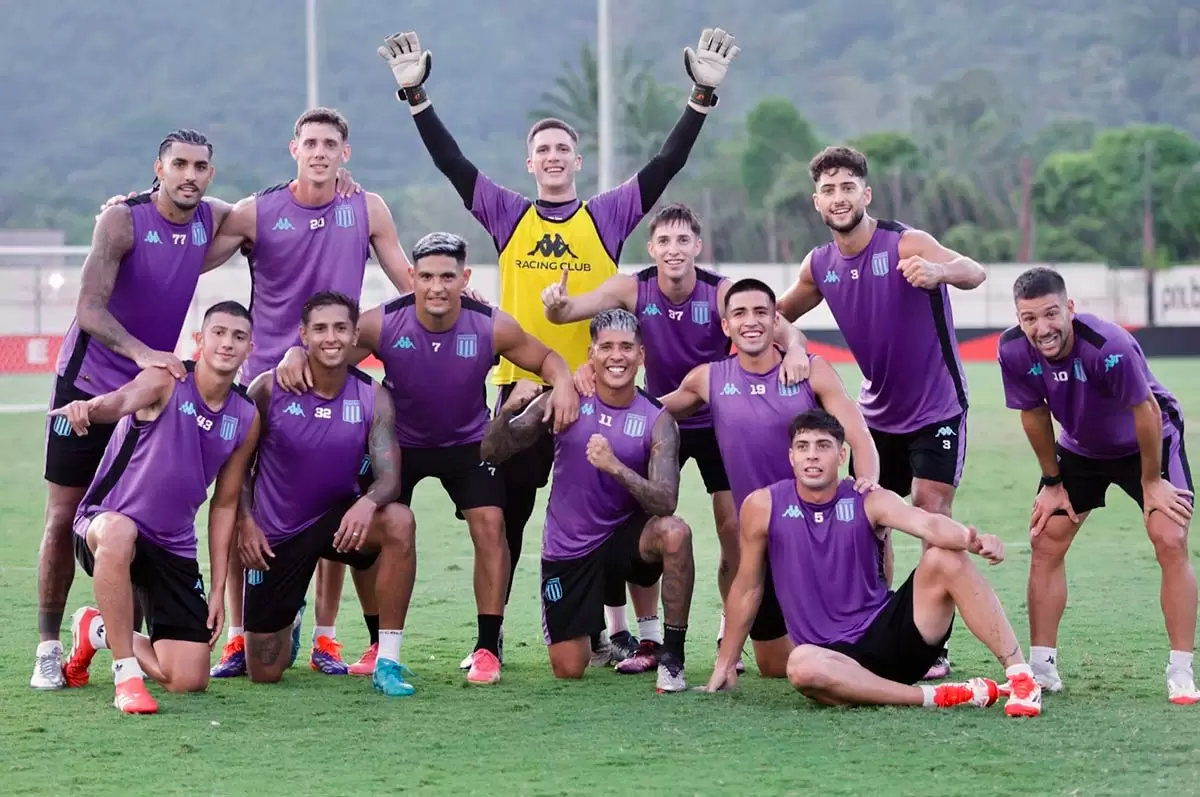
829,389
690,396
514,430
618,291
746,591
223,508
925,263
384,450
658,491
386,243
885,508
803,295
234,232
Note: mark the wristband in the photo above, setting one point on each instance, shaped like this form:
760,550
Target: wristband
704,96
1052,481
413,96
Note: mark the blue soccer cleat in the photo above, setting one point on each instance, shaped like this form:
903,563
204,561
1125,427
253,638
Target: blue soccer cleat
389,678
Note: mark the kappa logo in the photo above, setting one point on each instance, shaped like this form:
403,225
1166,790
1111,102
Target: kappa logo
199,587
152,237
651,309
730,389
1112,361
552,247
831,277
792,511
587,409
188,408
295,409
405,342
282,223
944,431
1036,370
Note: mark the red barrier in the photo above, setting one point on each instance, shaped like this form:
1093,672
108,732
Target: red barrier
29,354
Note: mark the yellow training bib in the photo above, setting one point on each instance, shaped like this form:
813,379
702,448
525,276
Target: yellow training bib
532,261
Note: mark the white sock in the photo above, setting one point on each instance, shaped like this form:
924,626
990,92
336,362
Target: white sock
927,693
236,631
1019,669
48,647
616,619
1180,661
389,645
721,633
96,633
125,670
649,628
324,630
1043,658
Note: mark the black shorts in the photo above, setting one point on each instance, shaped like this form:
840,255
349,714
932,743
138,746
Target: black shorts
935,453
527,470
573,589
892,646
1086,480
468,480
274,596
768,623
72,461
701,445
168,587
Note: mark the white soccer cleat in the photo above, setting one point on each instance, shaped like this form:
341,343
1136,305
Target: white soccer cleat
48,669
670,674
603,655
466,663
1181,689
1048,678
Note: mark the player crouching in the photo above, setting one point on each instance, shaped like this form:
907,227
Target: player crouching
857,642
135,529
612,502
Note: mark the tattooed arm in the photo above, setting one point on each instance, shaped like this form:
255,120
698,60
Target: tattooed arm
112,239
384,450
510,433
658,491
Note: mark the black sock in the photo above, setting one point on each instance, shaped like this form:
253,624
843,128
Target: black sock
372,627
489,633
673,636
596,635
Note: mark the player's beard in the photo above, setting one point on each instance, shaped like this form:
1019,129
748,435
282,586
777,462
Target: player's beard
855,219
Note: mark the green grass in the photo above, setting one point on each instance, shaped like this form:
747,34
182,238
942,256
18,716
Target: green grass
1111,732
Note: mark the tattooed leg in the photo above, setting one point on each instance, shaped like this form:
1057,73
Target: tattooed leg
56,559
948,580
267,655
669,540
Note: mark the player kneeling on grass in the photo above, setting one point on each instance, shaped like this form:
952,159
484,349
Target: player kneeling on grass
856,641
305,506
615,488
135,529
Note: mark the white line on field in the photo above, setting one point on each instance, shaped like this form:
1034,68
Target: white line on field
21,409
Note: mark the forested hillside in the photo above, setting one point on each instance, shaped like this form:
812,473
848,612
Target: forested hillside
956,94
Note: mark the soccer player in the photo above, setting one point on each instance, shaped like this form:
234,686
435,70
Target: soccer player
303,237
679,307
135,531
437,348
612,502
856,641
886,285
751,409
537,239
306,504
137,285
1119,426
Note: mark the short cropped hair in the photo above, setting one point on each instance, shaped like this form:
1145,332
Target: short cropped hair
831,159
550,123
229,307
619,319
329,299
324,116
441,243
816,420
749,285
1038,282
676,214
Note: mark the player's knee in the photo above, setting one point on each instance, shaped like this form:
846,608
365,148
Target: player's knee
113,535
187,682
568,668
60,518
805,668
943,563
397,525
676,535
1169,539
487,528
1050,546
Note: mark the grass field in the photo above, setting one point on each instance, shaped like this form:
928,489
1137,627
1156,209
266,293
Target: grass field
1111,732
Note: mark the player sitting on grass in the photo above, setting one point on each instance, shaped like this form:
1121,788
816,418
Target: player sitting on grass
856,641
